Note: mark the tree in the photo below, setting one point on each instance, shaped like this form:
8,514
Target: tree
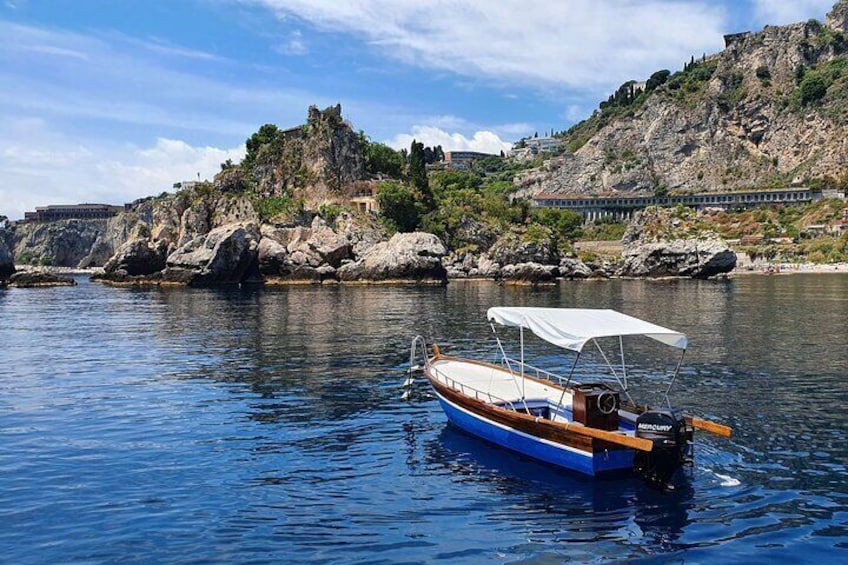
418,173
565,223
657,79
267,134
399,205
383,159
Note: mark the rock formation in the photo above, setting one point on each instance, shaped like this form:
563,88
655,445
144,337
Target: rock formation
660,243
406,257
226,255
38,279
138,257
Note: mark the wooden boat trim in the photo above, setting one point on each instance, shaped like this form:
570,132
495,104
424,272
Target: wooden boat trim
708,426
580,437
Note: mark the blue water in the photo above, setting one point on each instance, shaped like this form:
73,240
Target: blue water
249,425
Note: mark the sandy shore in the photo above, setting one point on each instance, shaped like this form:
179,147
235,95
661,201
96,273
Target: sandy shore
789,268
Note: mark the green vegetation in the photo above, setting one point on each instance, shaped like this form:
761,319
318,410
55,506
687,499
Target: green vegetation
278,207
401,206
815,83
382,159
604,230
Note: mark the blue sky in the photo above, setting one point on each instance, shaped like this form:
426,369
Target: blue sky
111,100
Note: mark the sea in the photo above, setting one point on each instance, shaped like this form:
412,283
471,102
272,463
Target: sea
251,425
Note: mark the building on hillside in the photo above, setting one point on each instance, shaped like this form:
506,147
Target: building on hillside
462,160
364,199
56,212
619,207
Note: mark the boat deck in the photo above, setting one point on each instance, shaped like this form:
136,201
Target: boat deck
493,384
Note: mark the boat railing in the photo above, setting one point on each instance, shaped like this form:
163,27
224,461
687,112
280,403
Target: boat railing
464,389
532,371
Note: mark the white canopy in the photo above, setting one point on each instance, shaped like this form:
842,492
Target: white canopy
571,328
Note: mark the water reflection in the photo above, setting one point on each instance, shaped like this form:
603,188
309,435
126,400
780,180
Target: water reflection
559,505
251,424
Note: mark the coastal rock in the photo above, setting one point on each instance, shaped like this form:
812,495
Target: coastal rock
488,268
697,258
272,256
363,232
461,265
138,257
37,279
302,253
226,255
519,245
570,268
530,273
413,257
663,242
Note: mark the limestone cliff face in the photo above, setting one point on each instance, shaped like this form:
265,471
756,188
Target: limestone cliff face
769,110
62,244
170,221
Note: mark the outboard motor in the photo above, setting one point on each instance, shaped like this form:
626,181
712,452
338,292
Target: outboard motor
672,439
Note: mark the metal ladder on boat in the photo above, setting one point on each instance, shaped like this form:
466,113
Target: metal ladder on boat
418,346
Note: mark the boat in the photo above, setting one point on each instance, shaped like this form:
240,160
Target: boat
595,427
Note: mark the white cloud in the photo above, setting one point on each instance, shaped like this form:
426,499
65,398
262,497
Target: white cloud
431,136
42,167
116,78
580,44
295,45
781,13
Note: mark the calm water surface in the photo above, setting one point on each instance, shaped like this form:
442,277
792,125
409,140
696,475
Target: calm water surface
249,425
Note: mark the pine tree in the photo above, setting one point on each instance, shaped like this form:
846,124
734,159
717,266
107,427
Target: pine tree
418,173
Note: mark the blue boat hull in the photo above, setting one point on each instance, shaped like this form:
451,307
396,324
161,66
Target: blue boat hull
591,464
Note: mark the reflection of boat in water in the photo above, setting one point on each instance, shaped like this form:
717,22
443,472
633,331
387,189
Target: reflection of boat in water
552,495
585,427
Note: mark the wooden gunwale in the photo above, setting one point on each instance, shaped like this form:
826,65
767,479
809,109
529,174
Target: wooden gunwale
574,436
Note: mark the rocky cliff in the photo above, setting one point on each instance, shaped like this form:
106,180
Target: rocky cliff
770,110
316,162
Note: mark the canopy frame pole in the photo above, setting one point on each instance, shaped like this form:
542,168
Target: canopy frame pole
567,382
612,369
673,377
509,366
623,364
521,339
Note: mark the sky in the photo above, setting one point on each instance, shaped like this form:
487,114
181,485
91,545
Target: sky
112,100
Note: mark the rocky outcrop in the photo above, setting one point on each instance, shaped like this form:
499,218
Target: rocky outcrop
663,242
570,268
765,110
697,258
529,273
39,279
314,162
406,257
521,245
304,254
226,255
138,257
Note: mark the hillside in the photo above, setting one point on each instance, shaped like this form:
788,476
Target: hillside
770,110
